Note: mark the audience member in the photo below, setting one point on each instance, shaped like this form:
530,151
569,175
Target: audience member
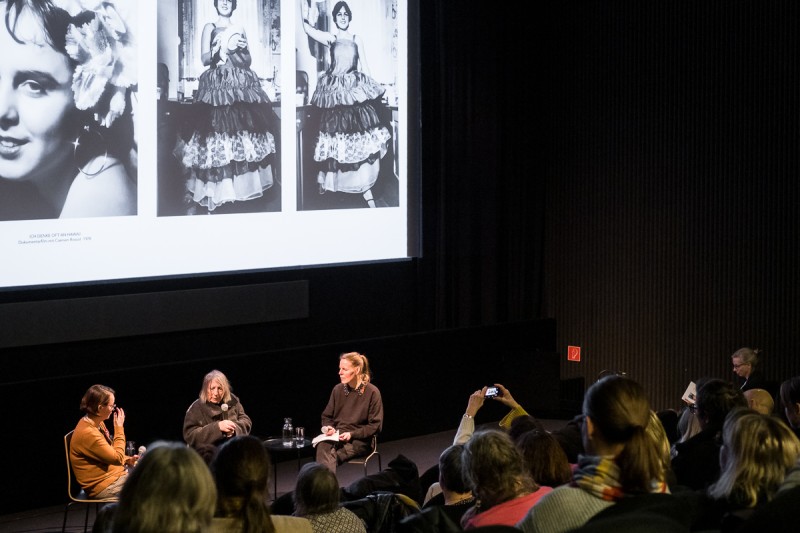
758,450
568,436
354,410
669,420
98,459
522,425
658,436
779,514
215,416
455,495
496,473
317,498
745,365
760,401
621,460
688,426
695,461
169,491
241,469
544,458
790,400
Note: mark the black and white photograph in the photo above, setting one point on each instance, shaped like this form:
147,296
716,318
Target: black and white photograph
219,133
347,104
172,152
68,94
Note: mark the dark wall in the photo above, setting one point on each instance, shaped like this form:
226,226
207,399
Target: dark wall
673,134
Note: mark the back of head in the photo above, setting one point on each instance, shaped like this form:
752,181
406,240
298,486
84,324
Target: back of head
494,468
523,424
760,401
241,469
619,410
758,451
658,436
451,472
170,490
544,458
316,491
790,399
715,399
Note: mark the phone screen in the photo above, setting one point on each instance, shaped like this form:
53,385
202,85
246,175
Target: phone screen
491,392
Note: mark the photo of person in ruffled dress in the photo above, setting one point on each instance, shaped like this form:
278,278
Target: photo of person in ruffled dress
231,154
353,133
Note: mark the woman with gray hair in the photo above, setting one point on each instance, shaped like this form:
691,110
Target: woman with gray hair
496,472
215,416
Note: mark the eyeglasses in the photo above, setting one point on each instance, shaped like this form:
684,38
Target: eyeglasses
693,408
111,405
735,366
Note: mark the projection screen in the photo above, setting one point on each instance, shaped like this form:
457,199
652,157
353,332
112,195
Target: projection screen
213,161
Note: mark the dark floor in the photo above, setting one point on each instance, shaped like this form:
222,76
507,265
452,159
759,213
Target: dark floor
423,450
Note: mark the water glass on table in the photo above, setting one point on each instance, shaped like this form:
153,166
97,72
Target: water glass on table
299,436
130,448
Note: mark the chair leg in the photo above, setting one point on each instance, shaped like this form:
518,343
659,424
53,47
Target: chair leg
86,521
64,525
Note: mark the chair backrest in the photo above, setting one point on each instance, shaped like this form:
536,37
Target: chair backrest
74,490
71,481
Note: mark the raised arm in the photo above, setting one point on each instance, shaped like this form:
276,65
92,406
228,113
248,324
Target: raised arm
320,36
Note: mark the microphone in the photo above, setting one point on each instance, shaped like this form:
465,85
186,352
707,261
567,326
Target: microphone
142,449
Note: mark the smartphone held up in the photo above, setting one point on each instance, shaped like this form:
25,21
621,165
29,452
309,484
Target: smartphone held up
491,392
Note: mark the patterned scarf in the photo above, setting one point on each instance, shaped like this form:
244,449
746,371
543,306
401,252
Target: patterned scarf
599,476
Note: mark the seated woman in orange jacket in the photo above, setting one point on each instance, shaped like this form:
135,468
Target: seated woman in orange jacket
97,458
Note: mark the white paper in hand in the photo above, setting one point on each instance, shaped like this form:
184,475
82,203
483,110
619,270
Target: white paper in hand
322,436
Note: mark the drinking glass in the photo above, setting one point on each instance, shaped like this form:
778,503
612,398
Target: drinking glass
130,448
299,436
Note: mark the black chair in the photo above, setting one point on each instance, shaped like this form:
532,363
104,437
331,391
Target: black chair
76,494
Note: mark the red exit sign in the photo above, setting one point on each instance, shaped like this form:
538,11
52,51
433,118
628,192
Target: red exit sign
574,353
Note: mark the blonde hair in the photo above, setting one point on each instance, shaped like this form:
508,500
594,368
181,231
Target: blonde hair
359,361
657,434
223,381
757,452
170,490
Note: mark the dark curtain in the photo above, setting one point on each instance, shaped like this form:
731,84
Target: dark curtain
482,165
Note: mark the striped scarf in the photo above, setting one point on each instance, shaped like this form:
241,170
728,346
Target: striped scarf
599,476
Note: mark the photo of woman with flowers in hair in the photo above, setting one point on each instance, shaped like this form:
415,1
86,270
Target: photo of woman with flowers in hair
67,80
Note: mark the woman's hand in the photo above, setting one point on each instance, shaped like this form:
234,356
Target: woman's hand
227,428
119,417
506,397
131,461
475,402
241,42
345,437
328,430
